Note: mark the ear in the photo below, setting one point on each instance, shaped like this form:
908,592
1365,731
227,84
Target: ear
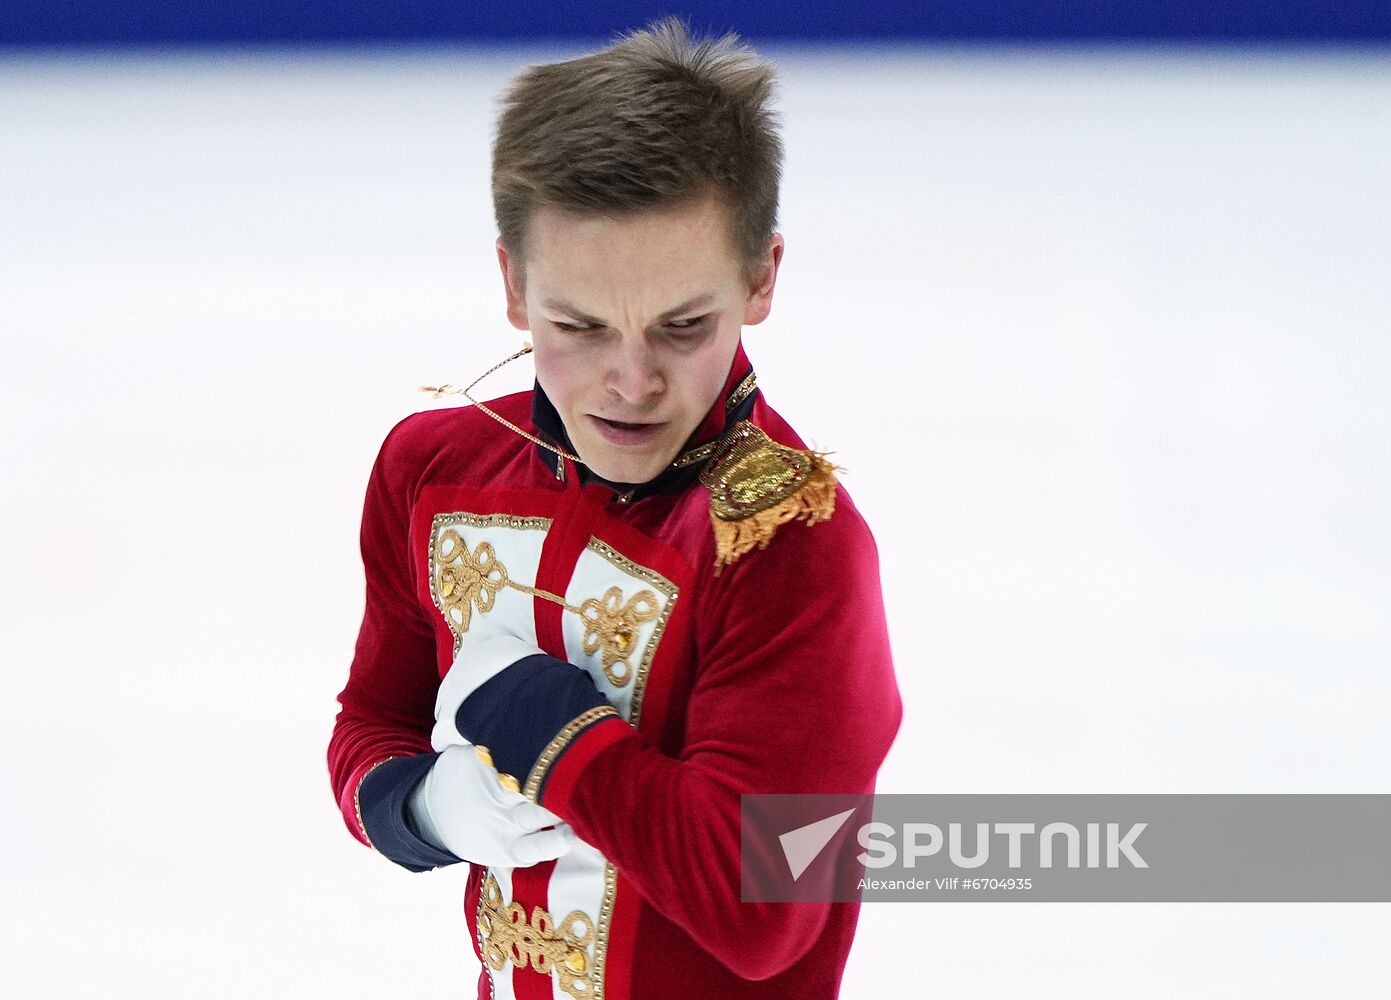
760,301
512,285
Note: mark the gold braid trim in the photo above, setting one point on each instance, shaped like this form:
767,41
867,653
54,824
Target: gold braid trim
757,485
559,743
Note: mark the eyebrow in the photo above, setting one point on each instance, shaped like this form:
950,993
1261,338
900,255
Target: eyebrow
578,314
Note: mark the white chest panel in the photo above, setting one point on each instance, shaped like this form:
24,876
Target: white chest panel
482,580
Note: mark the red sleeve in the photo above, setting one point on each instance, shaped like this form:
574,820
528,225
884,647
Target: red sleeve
795,693
388,705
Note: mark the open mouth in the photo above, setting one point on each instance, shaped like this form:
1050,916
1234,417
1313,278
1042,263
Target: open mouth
625,432
625,426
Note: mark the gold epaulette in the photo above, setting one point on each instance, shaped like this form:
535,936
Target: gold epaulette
757,484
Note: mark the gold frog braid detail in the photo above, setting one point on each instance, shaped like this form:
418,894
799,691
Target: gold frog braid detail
465,580
507,935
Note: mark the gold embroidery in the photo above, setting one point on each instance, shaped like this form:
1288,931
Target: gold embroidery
601,945
465,580
696,454
658,583
612,626
461,581
757,484
506,935
560,742
594,959
478,927
601,949
744,388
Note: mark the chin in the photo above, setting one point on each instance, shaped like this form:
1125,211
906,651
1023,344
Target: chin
625,465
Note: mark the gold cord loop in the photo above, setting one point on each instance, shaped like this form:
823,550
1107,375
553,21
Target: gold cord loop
440,390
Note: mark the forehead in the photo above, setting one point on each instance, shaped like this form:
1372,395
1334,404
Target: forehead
692,238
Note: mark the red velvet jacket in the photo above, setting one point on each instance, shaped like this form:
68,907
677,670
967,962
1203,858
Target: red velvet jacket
774,676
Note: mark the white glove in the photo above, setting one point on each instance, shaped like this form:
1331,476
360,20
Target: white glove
460,807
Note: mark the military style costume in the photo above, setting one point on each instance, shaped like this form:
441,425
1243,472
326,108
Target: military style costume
717,631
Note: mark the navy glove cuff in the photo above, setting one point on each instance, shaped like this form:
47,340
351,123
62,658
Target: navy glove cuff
383,805
517,712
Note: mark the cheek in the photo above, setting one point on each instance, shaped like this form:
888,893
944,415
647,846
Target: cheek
560,372
706,372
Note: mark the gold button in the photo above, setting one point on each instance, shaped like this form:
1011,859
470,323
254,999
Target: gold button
508,782
575,960
481,752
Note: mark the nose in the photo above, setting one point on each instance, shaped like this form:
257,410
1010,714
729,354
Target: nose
635,374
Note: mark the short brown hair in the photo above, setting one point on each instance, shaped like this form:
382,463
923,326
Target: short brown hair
653,121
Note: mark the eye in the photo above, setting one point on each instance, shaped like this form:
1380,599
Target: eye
685,324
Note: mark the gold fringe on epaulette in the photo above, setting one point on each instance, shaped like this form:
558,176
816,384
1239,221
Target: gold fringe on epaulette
815,500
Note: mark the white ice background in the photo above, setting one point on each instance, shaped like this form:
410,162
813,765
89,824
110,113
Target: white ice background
1102,338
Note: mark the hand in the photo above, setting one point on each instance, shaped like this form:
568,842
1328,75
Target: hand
460,806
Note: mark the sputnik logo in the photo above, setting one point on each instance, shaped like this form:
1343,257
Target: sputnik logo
802,845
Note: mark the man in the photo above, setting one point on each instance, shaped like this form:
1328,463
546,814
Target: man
599,612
